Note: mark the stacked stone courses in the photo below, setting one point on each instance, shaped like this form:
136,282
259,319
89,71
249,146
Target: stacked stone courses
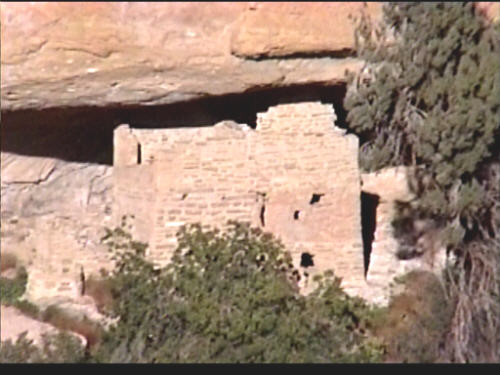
296,175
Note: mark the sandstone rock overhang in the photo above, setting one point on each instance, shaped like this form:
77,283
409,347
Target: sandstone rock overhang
103,54
298,29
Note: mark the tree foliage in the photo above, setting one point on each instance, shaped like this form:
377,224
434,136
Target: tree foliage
12,289
55,348
429,98
228,297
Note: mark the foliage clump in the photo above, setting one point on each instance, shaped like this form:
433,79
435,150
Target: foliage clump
62,347
12,289
55,348
228,297
429,98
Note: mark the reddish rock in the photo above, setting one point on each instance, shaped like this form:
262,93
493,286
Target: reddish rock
491,10
98,54
283,29
389,186
14,323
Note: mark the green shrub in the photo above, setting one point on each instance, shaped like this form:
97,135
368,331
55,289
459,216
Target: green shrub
429,98
27,308
55,348
229,297
12,289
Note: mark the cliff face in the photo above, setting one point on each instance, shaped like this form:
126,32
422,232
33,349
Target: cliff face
101,54
119,53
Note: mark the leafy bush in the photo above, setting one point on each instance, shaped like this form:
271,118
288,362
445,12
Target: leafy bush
228,297
12,289
55,348
429,97
28,308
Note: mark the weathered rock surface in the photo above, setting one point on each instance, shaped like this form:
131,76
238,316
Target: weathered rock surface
491,10
34,186
13,323
298,28
389,186
53,209
99,54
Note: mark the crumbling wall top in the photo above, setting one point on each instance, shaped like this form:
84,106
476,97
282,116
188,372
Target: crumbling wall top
298,118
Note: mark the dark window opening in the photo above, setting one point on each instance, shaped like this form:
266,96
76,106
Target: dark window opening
82,281
306,260
369,203
261,198
315,198
296,215
262,213
139,154
407,253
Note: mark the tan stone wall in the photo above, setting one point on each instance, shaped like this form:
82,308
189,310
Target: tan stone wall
266,176
300,153
60,256
391,186
53,215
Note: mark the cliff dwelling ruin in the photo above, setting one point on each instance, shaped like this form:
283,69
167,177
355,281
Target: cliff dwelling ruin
241,125
296,175
292,172
188,112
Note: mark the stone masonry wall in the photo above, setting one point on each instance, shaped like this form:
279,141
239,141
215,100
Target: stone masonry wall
59,257
296,175
389,186
309,171
52,220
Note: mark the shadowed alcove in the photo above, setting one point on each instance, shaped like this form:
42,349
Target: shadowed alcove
369,203
85,134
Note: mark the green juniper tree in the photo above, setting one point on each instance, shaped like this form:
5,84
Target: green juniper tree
429,98
228,297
